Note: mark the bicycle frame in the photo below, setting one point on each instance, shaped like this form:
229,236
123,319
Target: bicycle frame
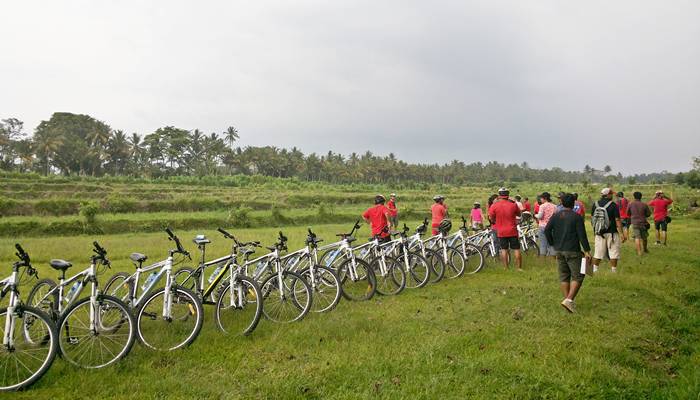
166,266
10,284
88,275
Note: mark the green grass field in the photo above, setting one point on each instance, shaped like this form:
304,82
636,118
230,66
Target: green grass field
497,334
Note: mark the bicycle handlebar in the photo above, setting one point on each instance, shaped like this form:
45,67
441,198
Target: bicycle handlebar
175,239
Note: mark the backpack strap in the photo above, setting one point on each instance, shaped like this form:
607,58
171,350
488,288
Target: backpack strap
605,207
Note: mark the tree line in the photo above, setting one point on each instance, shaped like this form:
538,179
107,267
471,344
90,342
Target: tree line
75,144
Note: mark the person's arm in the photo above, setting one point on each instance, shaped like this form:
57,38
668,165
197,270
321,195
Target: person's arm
387,215
492,215
365,216
618,222
540,214
549,228
583,238
647,211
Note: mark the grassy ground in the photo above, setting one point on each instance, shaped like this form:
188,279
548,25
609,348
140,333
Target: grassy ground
498,334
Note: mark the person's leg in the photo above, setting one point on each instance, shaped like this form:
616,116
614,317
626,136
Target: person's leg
573,291
600,248
518,259
564,275
658,232
638,245
614,243
664,232
504,258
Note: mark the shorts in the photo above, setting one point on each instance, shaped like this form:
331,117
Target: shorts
511,242
661,225
607,245
639,232
569,266
545,248
626,222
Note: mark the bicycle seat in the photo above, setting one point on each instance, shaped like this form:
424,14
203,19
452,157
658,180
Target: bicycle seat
138,257
201,239
245,251
60,265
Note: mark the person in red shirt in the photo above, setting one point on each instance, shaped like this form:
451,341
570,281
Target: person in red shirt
504,215
439,212
378,218
622,204
393,210
526,205
660,205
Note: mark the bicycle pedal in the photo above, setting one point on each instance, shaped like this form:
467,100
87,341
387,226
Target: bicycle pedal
73,340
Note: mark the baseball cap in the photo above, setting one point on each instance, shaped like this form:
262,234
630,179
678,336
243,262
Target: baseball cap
606,191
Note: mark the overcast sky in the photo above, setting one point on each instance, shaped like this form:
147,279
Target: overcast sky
553,83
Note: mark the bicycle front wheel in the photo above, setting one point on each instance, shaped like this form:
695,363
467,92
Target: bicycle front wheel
288,302
455,263
96,335
358,281
473,259
326,287
391,279
167,331
437,265
34,347
239,308
419,271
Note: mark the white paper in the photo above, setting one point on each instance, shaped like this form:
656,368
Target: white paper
583,266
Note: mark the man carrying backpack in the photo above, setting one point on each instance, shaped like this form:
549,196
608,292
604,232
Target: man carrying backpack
607,227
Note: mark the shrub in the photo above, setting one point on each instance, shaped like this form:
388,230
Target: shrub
89,211
119,204
240,217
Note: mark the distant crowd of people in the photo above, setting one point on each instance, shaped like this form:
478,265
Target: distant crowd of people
562,232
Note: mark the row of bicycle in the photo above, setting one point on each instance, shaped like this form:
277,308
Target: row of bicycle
164,307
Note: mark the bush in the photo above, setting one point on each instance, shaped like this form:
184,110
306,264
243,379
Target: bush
89,211
119,204
240,217
277,217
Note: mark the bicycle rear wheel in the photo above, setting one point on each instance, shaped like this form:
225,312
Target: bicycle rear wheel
437,265
98,344
238,309
34,348
174,331
119,286
455,263
358,281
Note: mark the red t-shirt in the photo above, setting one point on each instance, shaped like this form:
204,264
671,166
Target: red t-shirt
537,208
622,206
439,212
526,206
660,208
377,219
581,209
503,213
391,205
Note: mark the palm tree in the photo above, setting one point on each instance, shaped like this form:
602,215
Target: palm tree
46,144
231,135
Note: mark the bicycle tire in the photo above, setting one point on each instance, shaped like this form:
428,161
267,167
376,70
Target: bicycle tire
361,289
472,253
418,275
180,295
50,304
66,340
437,265
114,287
330,282
186,280
256,296
49,336
455,265
270,289
394,281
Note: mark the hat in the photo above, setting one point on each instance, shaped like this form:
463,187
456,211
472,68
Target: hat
438,197
503,192
620,194
379,199
476,203
659,192
606,191
393,195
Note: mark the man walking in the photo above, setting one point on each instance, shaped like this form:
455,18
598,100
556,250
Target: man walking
503,214
622,205
660,205
567,234
393,210
639,212
607,227
378,218
438,211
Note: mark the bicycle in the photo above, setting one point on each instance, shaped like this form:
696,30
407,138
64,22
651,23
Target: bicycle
357,280
473,258
94,331
287,297
238,299
416,267
484,241
168,318
29,336
323,281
